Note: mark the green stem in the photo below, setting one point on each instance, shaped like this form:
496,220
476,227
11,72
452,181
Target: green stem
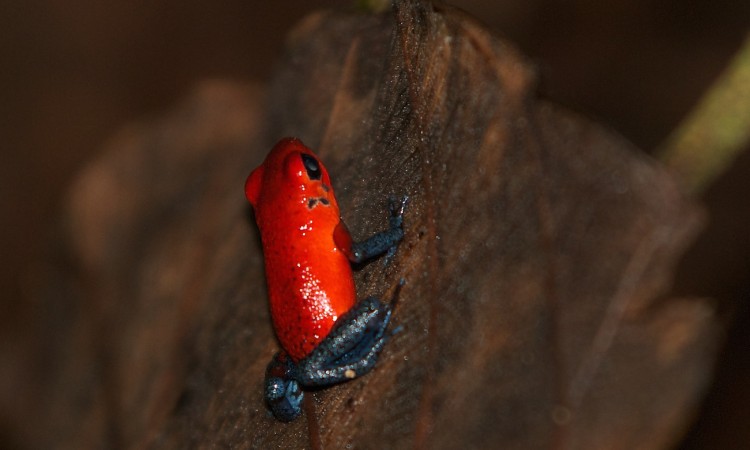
717,130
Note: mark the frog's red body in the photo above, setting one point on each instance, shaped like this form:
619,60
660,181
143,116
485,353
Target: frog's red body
309,277
327,336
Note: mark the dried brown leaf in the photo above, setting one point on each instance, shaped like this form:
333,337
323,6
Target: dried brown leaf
537,248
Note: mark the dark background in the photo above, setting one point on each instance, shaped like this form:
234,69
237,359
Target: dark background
75,72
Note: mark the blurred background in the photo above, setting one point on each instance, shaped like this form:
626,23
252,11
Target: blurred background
75,72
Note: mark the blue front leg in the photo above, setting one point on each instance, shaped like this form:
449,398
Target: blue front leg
385,241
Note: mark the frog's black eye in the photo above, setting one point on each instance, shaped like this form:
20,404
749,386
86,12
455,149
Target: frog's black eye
312,167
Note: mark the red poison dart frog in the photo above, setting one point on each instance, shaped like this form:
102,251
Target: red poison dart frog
326,335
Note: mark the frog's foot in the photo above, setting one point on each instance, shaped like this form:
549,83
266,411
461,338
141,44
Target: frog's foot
282,391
